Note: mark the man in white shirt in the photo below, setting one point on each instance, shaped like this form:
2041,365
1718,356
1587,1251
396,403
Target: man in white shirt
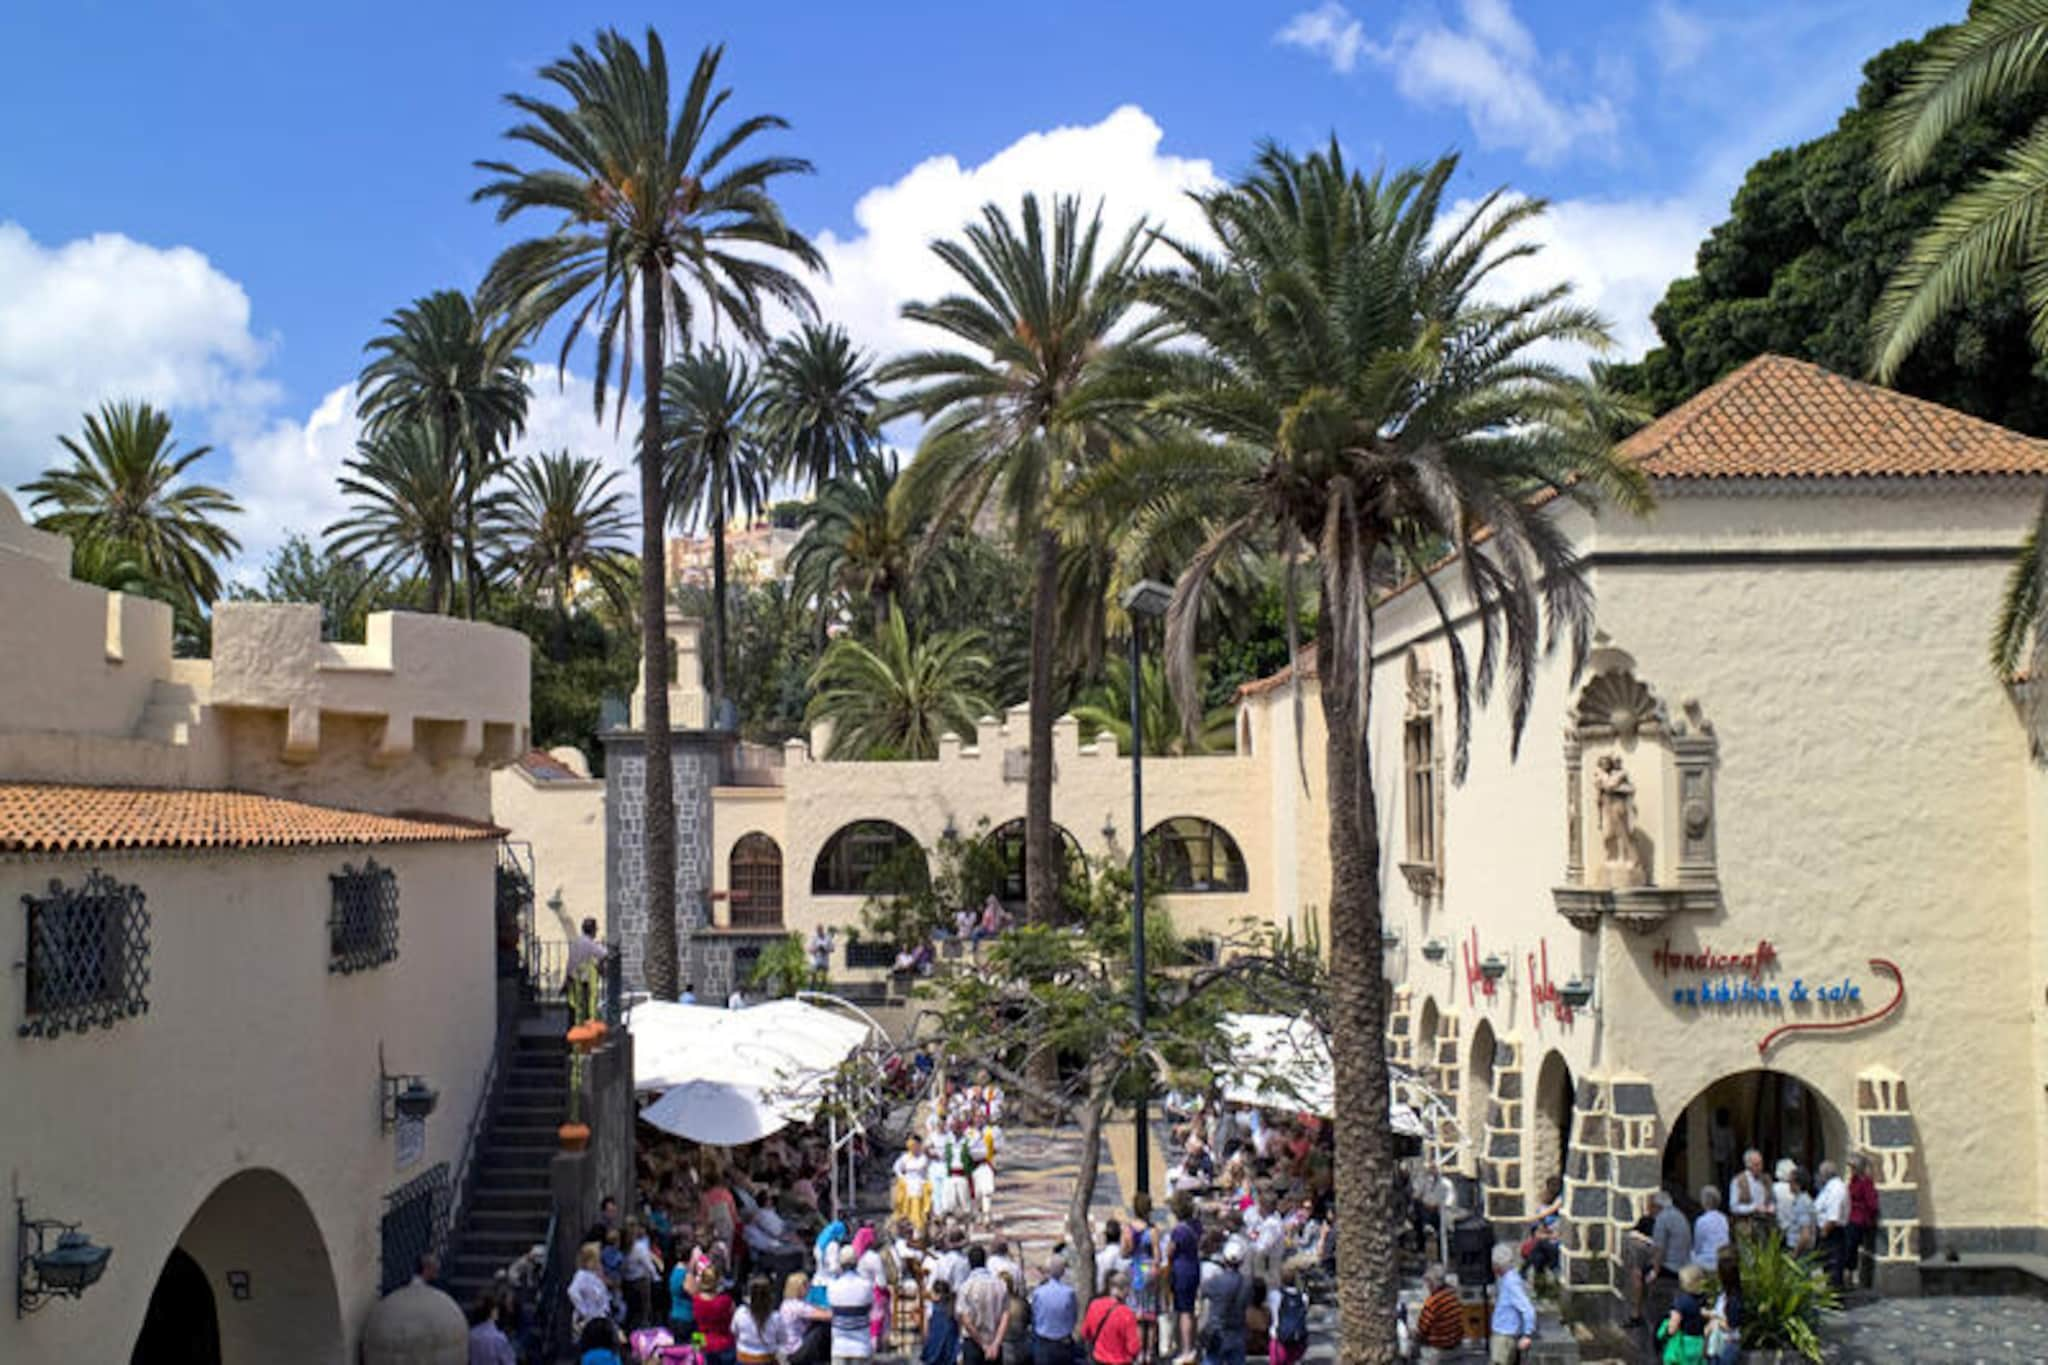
1001,1263
852,1300
1268,1232
1831,1216
952,1265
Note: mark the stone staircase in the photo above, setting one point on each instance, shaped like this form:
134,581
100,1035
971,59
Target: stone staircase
510,1199
171,712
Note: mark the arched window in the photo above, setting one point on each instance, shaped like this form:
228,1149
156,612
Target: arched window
1007,840
1190,855
869,856
755,879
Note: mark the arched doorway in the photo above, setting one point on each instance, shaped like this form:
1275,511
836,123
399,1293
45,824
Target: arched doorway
1426,1024
1773,1111
1550,1133
255,1257
181,1326
1478,1093
1005,844
754,874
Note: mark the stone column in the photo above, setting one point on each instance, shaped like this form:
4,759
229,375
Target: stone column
1401,1029
1884,1128
1616,1164
1449,1079
1501,1169
696,760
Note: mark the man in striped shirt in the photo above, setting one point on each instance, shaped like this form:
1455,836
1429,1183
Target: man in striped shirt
1440,1326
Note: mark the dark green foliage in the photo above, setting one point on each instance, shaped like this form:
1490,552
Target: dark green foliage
773,646
1251,643
1803,258
576,664
345,589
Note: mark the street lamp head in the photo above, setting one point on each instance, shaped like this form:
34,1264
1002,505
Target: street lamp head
1147,597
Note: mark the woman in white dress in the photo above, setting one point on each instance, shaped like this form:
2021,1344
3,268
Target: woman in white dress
986,1141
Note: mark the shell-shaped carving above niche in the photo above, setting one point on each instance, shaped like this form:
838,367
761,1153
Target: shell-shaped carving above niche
1618,703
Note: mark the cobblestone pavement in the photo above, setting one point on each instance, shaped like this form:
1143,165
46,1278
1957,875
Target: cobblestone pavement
1035,1174
1939,1331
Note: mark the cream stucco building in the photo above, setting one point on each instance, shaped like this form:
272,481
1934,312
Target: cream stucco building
238,891
1783,838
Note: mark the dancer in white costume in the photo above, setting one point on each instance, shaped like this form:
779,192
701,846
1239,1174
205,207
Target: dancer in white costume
987,1140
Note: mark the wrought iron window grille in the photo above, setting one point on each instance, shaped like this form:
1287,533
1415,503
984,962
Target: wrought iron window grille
362,925
87,962
415,1223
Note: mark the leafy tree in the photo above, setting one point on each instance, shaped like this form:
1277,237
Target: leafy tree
895,697
444,364
1801,263
1106,709
985,587
1987,239
1251,642
772,653
1368,407
343,587
1042,317
718,466
1047,1011
649,204
561,522
818,404
406,486
783,969
126,488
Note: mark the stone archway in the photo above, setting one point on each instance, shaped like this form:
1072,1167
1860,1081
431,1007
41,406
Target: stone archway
1550,1127
1777,1112
1476,1093
254,1246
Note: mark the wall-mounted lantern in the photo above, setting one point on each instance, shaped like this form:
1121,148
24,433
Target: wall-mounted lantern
1577,993
1390,939
1494,967
45,1270
1435,950
405,1096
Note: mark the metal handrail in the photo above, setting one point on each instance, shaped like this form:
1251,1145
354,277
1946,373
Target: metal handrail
480,1117
547,1310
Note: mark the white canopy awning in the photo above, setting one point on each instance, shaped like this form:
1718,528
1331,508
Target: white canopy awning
724,1074
1284,1063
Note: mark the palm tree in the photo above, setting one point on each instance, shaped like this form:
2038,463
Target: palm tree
864,542
125,487
895,697
407,487
718,466
1370,411
648,203
444,362
1985,234
560,521
1105,709
818,404
1040,323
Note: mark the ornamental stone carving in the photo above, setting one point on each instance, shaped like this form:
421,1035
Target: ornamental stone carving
1648,779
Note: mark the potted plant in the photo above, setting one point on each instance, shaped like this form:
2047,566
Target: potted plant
574,1137
1783,1297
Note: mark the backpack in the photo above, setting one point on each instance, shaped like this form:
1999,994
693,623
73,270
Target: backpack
1290,1325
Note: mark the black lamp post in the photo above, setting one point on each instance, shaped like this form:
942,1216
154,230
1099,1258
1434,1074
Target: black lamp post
1142,599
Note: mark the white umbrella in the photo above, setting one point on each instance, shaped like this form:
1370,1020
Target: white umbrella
1285,1064
719,1113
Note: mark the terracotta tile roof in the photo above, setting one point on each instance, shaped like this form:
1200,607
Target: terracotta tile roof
542,766
1259,687
40,817
1778,418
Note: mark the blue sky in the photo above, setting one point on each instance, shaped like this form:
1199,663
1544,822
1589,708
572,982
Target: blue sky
212,204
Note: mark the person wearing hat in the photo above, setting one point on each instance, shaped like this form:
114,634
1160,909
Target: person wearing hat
1229,1292
1055,1312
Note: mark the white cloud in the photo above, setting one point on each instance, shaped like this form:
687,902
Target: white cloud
1329,31
1485,63
889,261
1619,254
1677,36
109,317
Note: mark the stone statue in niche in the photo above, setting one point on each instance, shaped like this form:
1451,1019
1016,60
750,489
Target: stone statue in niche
1622,861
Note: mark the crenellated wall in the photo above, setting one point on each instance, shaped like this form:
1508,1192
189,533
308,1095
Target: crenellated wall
411,719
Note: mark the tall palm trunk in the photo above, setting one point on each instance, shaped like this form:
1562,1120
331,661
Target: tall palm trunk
717,587
1367,1264
1041,855
437,587
658,874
